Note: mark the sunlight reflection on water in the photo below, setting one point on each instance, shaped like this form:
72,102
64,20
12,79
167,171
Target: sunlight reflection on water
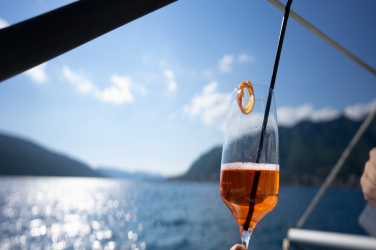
78,213
50,213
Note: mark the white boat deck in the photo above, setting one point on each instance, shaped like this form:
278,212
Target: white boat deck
329,240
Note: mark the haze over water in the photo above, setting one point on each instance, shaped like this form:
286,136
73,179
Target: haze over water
93,213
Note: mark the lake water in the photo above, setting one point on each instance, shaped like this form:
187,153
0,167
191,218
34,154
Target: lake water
42,213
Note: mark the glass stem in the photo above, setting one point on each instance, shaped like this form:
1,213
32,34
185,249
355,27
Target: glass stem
246,235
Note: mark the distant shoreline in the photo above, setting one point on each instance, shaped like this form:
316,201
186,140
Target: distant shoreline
334,185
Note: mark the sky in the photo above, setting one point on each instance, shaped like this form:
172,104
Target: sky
153,94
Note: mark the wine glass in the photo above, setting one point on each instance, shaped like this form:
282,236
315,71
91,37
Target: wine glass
249,180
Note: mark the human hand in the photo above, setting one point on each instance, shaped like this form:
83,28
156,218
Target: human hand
368,180
238,247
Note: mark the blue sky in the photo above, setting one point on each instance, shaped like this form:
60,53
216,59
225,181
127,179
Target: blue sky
152,95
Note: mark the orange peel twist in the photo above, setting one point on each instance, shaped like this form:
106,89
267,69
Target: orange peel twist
246,109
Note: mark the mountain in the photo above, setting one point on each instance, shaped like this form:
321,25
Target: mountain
308,151
205,168
112,173
21,157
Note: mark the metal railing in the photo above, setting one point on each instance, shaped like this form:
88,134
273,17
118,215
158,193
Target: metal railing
324,37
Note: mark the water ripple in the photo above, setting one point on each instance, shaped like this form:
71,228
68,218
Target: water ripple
45,213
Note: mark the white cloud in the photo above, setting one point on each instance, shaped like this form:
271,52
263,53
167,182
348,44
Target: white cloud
325,114
3,23
118,93
360,110
37,74
171,79
244,58
82,84
289,116
211,106
225,63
